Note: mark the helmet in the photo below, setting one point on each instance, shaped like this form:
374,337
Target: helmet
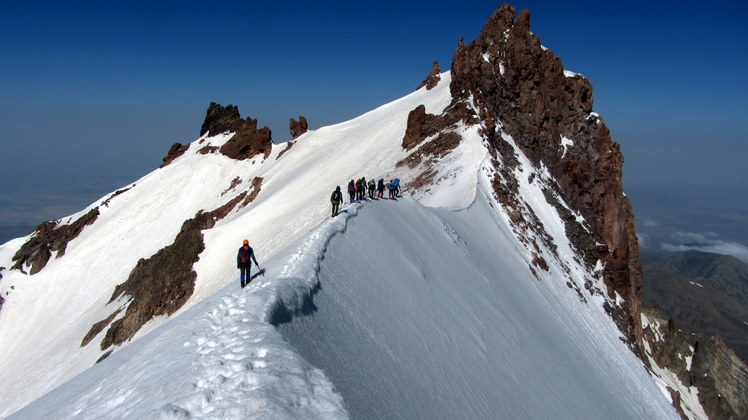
246,242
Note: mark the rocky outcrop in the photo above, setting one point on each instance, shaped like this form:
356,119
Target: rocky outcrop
163,283
176,150
442,135
521,87
97,328
700,361
297,128
247,142
420,126
50,237
288,147
220,119
160,284
115,194
433,78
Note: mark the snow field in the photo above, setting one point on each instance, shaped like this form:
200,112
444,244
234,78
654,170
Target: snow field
222,358
431,313
294,199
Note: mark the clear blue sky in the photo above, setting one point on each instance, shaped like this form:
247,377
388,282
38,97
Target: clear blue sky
94,93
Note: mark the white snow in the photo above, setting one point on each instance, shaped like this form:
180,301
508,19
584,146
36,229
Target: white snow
566,143
689,359
568,73
417,309
424,307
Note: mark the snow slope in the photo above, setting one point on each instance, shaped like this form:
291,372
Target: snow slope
46,315
429,324
458,314
416,317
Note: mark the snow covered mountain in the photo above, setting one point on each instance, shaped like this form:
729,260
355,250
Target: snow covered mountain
504,283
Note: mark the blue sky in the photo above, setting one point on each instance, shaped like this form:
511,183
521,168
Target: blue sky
94,93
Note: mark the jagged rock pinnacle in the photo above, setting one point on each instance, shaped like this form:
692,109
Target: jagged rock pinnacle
433,78
247,142
521,87
297,128
219,119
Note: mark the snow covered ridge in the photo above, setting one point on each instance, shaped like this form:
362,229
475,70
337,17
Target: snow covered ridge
504,133
169,219
220,359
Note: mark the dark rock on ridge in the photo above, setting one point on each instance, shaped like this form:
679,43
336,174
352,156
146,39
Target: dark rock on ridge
247,142
522,88
288,147
420,126
220,119
176,150
444,138
115,194
720,376
513,85
297,128
163,283
98,327
49,237
433,78
158,285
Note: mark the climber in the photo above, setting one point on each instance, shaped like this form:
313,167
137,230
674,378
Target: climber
243,262
352,190
336,198
372,188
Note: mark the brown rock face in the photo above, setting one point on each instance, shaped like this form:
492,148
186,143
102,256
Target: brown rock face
432,79
297,128
247,142
522,88
176,150
420,126
158,285
49,237
161,284
220,119
720,376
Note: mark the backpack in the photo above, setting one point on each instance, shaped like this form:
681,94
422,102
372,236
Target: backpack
336,196
244,253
